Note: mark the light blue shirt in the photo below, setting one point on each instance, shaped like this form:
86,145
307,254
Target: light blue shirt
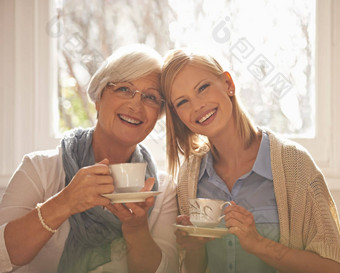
253,191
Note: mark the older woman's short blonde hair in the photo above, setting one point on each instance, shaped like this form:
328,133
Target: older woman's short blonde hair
127,63
180,139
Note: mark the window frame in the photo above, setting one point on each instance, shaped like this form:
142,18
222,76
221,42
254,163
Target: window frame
325,146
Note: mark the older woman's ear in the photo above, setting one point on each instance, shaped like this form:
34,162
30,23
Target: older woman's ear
97,105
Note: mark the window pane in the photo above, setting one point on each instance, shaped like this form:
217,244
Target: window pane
267,46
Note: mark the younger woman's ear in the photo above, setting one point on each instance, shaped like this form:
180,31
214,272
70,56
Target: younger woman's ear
228,79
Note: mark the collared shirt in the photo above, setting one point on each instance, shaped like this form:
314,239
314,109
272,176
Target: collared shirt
253,191
32,183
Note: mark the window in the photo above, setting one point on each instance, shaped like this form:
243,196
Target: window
91,30
30,82
270,54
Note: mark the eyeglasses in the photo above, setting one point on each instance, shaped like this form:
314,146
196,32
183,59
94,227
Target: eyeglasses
149,97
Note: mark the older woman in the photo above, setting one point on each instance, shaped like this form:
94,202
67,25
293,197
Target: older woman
282,216
53,216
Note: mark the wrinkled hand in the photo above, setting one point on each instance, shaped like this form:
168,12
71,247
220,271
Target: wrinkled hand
85,189
184,240
134,215
242,224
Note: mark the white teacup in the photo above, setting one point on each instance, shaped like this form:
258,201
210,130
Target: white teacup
206,212
128,177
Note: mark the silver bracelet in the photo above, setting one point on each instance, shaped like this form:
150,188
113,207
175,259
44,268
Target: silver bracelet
38,206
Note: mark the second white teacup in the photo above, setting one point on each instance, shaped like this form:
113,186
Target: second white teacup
128,177
206,212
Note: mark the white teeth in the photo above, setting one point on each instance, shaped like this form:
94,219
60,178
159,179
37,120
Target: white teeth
130,120
203,119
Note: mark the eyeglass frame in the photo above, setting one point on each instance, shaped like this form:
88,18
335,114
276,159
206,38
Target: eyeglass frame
143,95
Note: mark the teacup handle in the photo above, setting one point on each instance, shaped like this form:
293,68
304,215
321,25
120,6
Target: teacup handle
225,203
221,206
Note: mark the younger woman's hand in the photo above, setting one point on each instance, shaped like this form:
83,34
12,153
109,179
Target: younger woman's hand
184,240
183,220
242,224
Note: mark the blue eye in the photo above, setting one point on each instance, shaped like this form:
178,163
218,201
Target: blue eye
123,89
180,103
203,87
150,97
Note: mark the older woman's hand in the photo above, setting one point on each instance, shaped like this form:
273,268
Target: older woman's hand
134,215
242,224
86,187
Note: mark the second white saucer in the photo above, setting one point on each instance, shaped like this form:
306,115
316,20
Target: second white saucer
215,232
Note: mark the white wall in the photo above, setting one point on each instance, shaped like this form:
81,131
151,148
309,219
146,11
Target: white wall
28,82
334,165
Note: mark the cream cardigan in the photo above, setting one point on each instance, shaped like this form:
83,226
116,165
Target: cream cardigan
307,213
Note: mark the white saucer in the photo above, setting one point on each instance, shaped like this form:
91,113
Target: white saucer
215,232
130,197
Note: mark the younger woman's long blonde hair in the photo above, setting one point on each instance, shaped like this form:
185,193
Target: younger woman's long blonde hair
179,138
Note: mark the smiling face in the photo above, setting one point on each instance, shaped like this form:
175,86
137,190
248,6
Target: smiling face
127,121
201,100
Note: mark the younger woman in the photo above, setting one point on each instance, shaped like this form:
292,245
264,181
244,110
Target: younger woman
282,218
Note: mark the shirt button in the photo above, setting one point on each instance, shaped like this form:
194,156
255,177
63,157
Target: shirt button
230,243
230,267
